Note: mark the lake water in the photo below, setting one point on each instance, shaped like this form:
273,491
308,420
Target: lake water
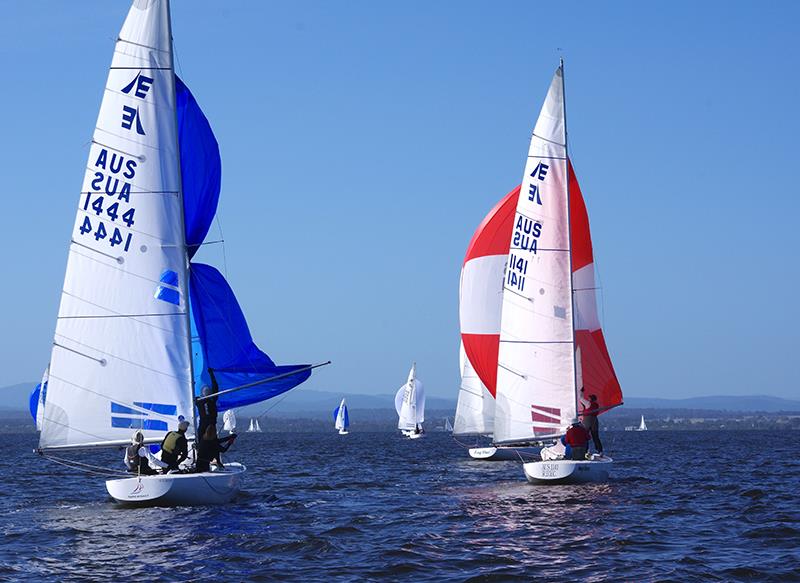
371,506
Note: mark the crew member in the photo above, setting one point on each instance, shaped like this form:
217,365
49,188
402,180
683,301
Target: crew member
590,420
209,448
207,408
174,447
576,441
138,458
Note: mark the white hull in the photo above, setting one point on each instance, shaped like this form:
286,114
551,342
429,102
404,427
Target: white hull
568,471
411,434
500,454
179,489
343,432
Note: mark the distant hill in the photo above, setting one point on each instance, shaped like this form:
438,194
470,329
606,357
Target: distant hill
717,403
16,397
307,402
318,403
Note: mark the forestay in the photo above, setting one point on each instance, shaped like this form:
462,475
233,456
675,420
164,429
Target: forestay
120,358
536,366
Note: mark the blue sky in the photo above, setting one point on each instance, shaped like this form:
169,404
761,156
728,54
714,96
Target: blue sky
363,142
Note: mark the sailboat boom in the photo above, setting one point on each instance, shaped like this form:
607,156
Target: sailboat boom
261,382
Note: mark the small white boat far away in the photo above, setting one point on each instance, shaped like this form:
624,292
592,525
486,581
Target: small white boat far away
410,405
341,418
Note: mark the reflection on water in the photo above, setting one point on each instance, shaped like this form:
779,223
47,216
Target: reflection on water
373,506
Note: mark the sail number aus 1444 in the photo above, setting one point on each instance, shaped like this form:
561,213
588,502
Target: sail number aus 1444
109,215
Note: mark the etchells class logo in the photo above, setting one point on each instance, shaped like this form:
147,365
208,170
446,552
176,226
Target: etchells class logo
139,487
138,87
139,416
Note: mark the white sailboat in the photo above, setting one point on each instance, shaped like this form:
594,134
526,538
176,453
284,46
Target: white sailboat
642,425
254,426
128,354
529,320
410,405
448,427
341,418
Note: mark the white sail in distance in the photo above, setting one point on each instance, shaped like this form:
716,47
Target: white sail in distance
410,402
536,363
340,416
120,359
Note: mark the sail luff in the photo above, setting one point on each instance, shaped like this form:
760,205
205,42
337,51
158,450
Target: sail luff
569,238
186,255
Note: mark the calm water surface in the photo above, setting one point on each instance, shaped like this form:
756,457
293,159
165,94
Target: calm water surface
371,506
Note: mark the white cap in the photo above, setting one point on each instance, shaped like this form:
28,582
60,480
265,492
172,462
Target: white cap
183,425
137,437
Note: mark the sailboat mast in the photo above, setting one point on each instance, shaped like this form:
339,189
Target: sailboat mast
185,266
569,238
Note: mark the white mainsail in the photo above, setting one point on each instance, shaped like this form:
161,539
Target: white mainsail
536,362
642,425
258,427
410,402
475,408
120,357
252,426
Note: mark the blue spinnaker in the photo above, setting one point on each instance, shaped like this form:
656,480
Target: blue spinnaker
201,167
227,346
33,403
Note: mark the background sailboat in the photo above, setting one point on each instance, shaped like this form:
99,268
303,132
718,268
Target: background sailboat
341,418
410,405
139,325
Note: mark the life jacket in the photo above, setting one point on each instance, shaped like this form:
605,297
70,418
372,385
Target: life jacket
170,443
135,461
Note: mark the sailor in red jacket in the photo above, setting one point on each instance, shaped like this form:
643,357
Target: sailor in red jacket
576,441
590,410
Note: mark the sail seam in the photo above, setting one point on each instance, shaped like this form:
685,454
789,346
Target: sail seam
131,273
92,214
141,366
130,42
533,135
119,316
80,299
537,341
148,412
115,258
142,68
101,361
139,157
